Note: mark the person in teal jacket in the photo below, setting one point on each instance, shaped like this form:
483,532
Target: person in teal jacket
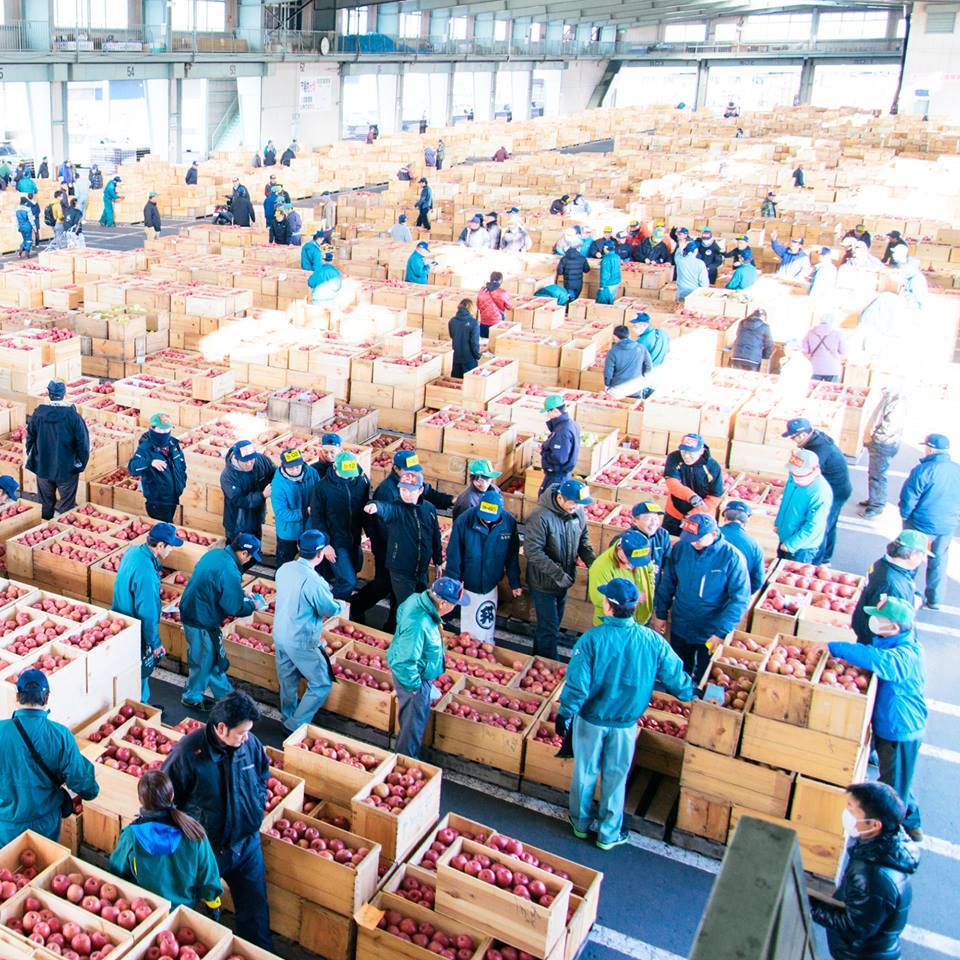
310,255
744,276
656,341
737,513
290,493
326,280
554,290
609,276
136,593
166,851
416,657
29,800
801,521
900,710
304,601
111,194
611,675
26,184
418,266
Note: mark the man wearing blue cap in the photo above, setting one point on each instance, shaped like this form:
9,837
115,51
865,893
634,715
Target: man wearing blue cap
930,503
326,281
290,495
737,514
418,266
336,509
608,686
561,450
648,519
310,257
424,205
400,231
629,558
214,593
415,657
58,448
245,482
330,445
705,590
484,548
9,490
136,593
741,253
694,481
655,340
38,757
555,537
304,601
473,236
159,463
709,253
801,521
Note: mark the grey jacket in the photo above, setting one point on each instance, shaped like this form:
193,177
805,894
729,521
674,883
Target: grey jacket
552,541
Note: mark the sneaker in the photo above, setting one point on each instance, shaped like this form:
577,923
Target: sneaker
915,834
579,834
931,605
609,845
863,503
201,707
870,513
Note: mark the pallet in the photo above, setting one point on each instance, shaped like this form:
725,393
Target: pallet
650,807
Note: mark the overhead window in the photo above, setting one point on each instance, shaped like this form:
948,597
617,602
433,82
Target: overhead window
685,33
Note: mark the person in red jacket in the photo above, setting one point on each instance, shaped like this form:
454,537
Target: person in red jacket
492,301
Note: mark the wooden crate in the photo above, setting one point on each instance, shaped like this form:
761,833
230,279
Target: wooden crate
19,556
47,851
326,933
769,623
237,947
27,515
786,698
818,805
489,745
253,666
702,815
737,781
214,936
841,713
373,707
398,833
540,761
712,725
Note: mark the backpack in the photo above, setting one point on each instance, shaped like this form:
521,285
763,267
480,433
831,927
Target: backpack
48,217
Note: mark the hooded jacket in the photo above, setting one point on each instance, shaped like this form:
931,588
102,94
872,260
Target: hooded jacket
418,270
572,266
336,508
415,656
883,577
290,498
801,520
492,301
154,854
744,276
657,342
706,592
214,592
326,281
136,593
626,360
191,177
930,496
225,788
561,449
704,478
244,505
612,671
159,486
479,554
464,331
753,342
735,534
606,568
413,537
610,274
876,894
310,256
58,445
833,465
553,541
900,710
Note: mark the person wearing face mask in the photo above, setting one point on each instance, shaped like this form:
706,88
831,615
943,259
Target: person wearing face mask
159,463
245,482
892,575
482,475
709,253
801,520
705,590
290,494
694,481
875,892
900,710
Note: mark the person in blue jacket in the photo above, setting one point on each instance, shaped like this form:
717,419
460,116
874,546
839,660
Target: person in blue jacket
26,184
29,799
741,253
692,273
418,266
737,514
892,575
310,255
610,277
627,362
25,227
291,491
214,593
794,262
326,281
561,450
744,276
599,245
245,482
710,253
656,341
705,590
304,601
570,270
270,204
930,503
336,509
801,521
464,330
900,710
136,593
424,204
608,686
484,548
330,445
159,463
554,290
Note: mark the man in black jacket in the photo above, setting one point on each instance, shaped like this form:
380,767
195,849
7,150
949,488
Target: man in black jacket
193,170
834,468
570,270
219,776
892,575
151,217
242,209
709,253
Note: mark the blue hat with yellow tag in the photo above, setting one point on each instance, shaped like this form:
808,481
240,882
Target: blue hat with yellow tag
491,505
647,506
346,465
575,490
407,460
636,548
291,458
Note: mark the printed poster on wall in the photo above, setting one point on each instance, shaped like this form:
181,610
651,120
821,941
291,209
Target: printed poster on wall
316,94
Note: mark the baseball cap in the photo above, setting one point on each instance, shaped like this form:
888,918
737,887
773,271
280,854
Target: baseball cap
739,506
575,490
514,210
161,421
10,487
913,539
411,479
742,236
691,443
483,468
895,235
802,462
236,451
311,543
620,591
477,219
423,245
346,465
797,240
248,542
646,506
706,232
894,609
33,681
797,425
446,588
56,389
330,440
407,460
684,231
552,402
491,505
642,317
636,548
291,458
608,229
165,533
696,526
634,224
936,441
151,194
317,234
825,251
402,218
494,214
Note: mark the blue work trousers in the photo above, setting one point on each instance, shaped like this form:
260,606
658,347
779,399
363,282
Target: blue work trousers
293,663
241,865
205,662
549,608
414,712
803,555
604,753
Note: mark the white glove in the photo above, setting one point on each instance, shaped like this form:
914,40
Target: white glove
435,694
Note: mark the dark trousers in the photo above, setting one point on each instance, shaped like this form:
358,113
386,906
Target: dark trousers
936,565
803,555
405,587
48,491
745,364
880,456
161,511
712,275
373,592
826,377
423,219
286,551
672,524
898,760
549,479
342,573
414,712
695,656
825,553
241,865
574,291
548,608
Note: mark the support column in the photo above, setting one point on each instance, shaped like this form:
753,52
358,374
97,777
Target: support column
493,89
324,15
703,77
805,92
398,108
250,23
175,135
449,114
60,138
894,15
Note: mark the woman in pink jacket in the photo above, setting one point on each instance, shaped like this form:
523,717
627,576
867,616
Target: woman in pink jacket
492,301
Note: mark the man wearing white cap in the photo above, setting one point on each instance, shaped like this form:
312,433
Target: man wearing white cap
801,521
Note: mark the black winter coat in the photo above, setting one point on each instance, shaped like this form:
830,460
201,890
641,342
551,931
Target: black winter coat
151,215
336,508
159,486
712,255
464,330
572,266
58,445
280,232
553,540
876,892
833,465
224,788
244,505
242,210
96,179
887,578
388,491
286,157
191,178
648,250
413,537
754,341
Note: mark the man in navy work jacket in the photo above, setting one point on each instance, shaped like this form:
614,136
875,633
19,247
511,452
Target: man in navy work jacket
161,467
892,575
737,514
561,449
245,482
627,361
